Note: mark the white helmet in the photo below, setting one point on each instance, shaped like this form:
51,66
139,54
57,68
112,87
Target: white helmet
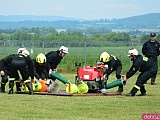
63,49
23,51
20,50
132,51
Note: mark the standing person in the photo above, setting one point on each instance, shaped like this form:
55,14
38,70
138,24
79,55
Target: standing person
151,49
145,66
114,64
55,57
20,63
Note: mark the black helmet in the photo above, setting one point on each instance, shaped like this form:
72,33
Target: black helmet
153,34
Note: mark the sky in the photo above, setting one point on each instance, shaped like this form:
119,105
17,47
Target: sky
83,9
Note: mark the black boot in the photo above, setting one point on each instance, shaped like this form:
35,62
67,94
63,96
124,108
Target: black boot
11,85
153,80
132,93
120,89
30,88
18,86
143,91
3,87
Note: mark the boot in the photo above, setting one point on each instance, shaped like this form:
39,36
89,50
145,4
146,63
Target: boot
143,91
18,86
11,85
132,93
30,88
120,89
3,87
152,81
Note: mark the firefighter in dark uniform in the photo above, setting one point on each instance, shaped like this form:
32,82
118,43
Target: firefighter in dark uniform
151,49
55,57
41,67
114,64
144,65
20,63
5,72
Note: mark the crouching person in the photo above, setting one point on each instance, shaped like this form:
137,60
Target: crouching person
41,74
5,72
20,63
147,70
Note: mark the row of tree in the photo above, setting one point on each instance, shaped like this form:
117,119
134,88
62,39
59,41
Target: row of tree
49,34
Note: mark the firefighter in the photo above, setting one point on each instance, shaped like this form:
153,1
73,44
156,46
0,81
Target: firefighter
151,49
5,72
20,63
41,67
114,64
145,66
55,57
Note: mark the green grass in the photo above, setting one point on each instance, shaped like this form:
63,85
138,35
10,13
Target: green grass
47,107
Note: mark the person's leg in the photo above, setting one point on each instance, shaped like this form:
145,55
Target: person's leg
142,78
25,75
143,91
118,76
13,75
154,77
3,82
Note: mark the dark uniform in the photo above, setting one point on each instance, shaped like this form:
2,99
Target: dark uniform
24,65
114,65
147,68
41,71
4,66
152,50
53,59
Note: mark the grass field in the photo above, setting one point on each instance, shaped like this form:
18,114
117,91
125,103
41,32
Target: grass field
47,107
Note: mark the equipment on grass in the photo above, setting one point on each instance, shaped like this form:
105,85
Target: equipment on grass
38,86
44,86
94,78
26,87
82,88
70,88
53,87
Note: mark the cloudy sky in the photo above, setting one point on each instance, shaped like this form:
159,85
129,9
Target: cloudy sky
84,9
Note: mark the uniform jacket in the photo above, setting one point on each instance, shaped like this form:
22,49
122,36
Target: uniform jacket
5,63
151,49
53,59
41,71
141,64
112,64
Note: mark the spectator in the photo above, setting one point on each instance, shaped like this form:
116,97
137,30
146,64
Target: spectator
151,49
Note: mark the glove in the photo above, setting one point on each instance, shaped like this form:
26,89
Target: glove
105,76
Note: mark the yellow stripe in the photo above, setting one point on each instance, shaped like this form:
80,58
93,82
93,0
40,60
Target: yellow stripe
11,78
17,81
137,87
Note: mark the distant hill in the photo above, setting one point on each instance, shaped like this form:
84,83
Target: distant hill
146,21
17,18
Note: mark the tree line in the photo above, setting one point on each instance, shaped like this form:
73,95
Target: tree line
49,34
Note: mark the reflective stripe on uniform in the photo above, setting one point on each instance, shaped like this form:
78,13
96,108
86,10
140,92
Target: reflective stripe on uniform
137,87
10,79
